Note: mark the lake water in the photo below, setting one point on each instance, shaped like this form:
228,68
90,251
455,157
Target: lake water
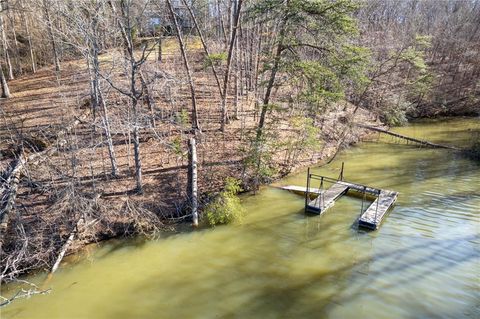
423,262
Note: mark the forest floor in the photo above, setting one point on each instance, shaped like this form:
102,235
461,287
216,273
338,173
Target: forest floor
75,179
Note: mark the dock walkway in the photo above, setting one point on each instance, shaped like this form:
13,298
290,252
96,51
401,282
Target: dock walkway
373,216
326,199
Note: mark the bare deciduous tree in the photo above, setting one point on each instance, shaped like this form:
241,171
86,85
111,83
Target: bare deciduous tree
195,124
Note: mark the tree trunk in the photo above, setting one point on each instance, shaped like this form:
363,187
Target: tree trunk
67,244
256,66
6,49
271,82
4,85
108,134
205,47
29,37
237,79
221,24
18,64
195,125
159,58
8,194
56,60
149,99
133,94
136,151
229,62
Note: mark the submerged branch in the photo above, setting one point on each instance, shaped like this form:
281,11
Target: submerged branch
411,139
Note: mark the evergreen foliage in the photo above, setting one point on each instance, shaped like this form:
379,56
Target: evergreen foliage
226,207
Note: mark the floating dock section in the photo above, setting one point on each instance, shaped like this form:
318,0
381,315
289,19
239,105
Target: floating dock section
373,216
318,200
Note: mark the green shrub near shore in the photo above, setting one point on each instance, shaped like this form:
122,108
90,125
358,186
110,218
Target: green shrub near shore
225,208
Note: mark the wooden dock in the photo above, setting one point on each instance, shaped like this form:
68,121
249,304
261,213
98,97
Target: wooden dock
326,199
373,216
318,200
299,190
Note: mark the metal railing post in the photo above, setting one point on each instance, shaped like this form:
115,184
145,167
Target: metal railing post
363,199
308,189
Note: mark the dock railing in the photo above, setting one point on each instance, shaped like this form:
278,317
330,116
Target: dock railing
320,191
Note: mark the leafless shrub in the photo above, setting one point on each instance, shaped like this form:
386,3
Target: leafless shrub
26,290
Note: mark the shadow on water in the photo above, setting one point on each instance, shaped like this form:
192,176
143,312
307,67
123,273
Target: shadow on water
295,295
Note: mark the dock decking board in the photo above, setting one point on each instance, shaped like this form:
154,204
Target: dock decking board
373,216
300,190
327,198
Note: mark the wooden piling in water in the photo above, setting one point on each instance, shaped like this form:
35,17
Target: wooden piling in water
192,179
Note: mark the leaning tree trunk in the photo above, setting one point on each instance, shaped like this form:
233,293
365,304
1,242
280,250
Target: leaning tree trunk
205,47
8,189
108,134
229,62
4,85
67,244
273,74
195,125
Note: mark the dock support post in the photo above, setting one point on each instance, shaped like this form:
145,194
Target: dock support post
307,197
322,195
192,181
341,172
376,209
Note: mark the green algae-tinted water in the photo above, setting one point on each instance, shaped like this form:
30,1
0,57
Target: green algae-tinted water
424,262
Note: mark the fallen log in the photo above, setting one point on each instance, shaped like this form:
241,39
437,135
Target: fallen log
407,138
67,244
9,194
8,190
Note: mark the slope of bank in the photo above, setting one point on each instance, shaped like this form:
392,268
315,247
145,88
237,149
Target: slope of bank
72,181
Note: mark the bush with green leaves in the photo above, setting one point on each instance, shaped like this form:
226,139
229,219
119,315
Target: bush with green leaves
226,207
182,118
394,110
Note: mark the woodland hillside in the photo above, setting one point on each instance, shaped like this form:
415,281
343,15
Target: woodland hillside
100,99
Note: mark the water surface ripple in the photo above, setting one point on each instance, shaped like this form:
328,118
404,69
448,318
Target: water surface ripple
424,262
